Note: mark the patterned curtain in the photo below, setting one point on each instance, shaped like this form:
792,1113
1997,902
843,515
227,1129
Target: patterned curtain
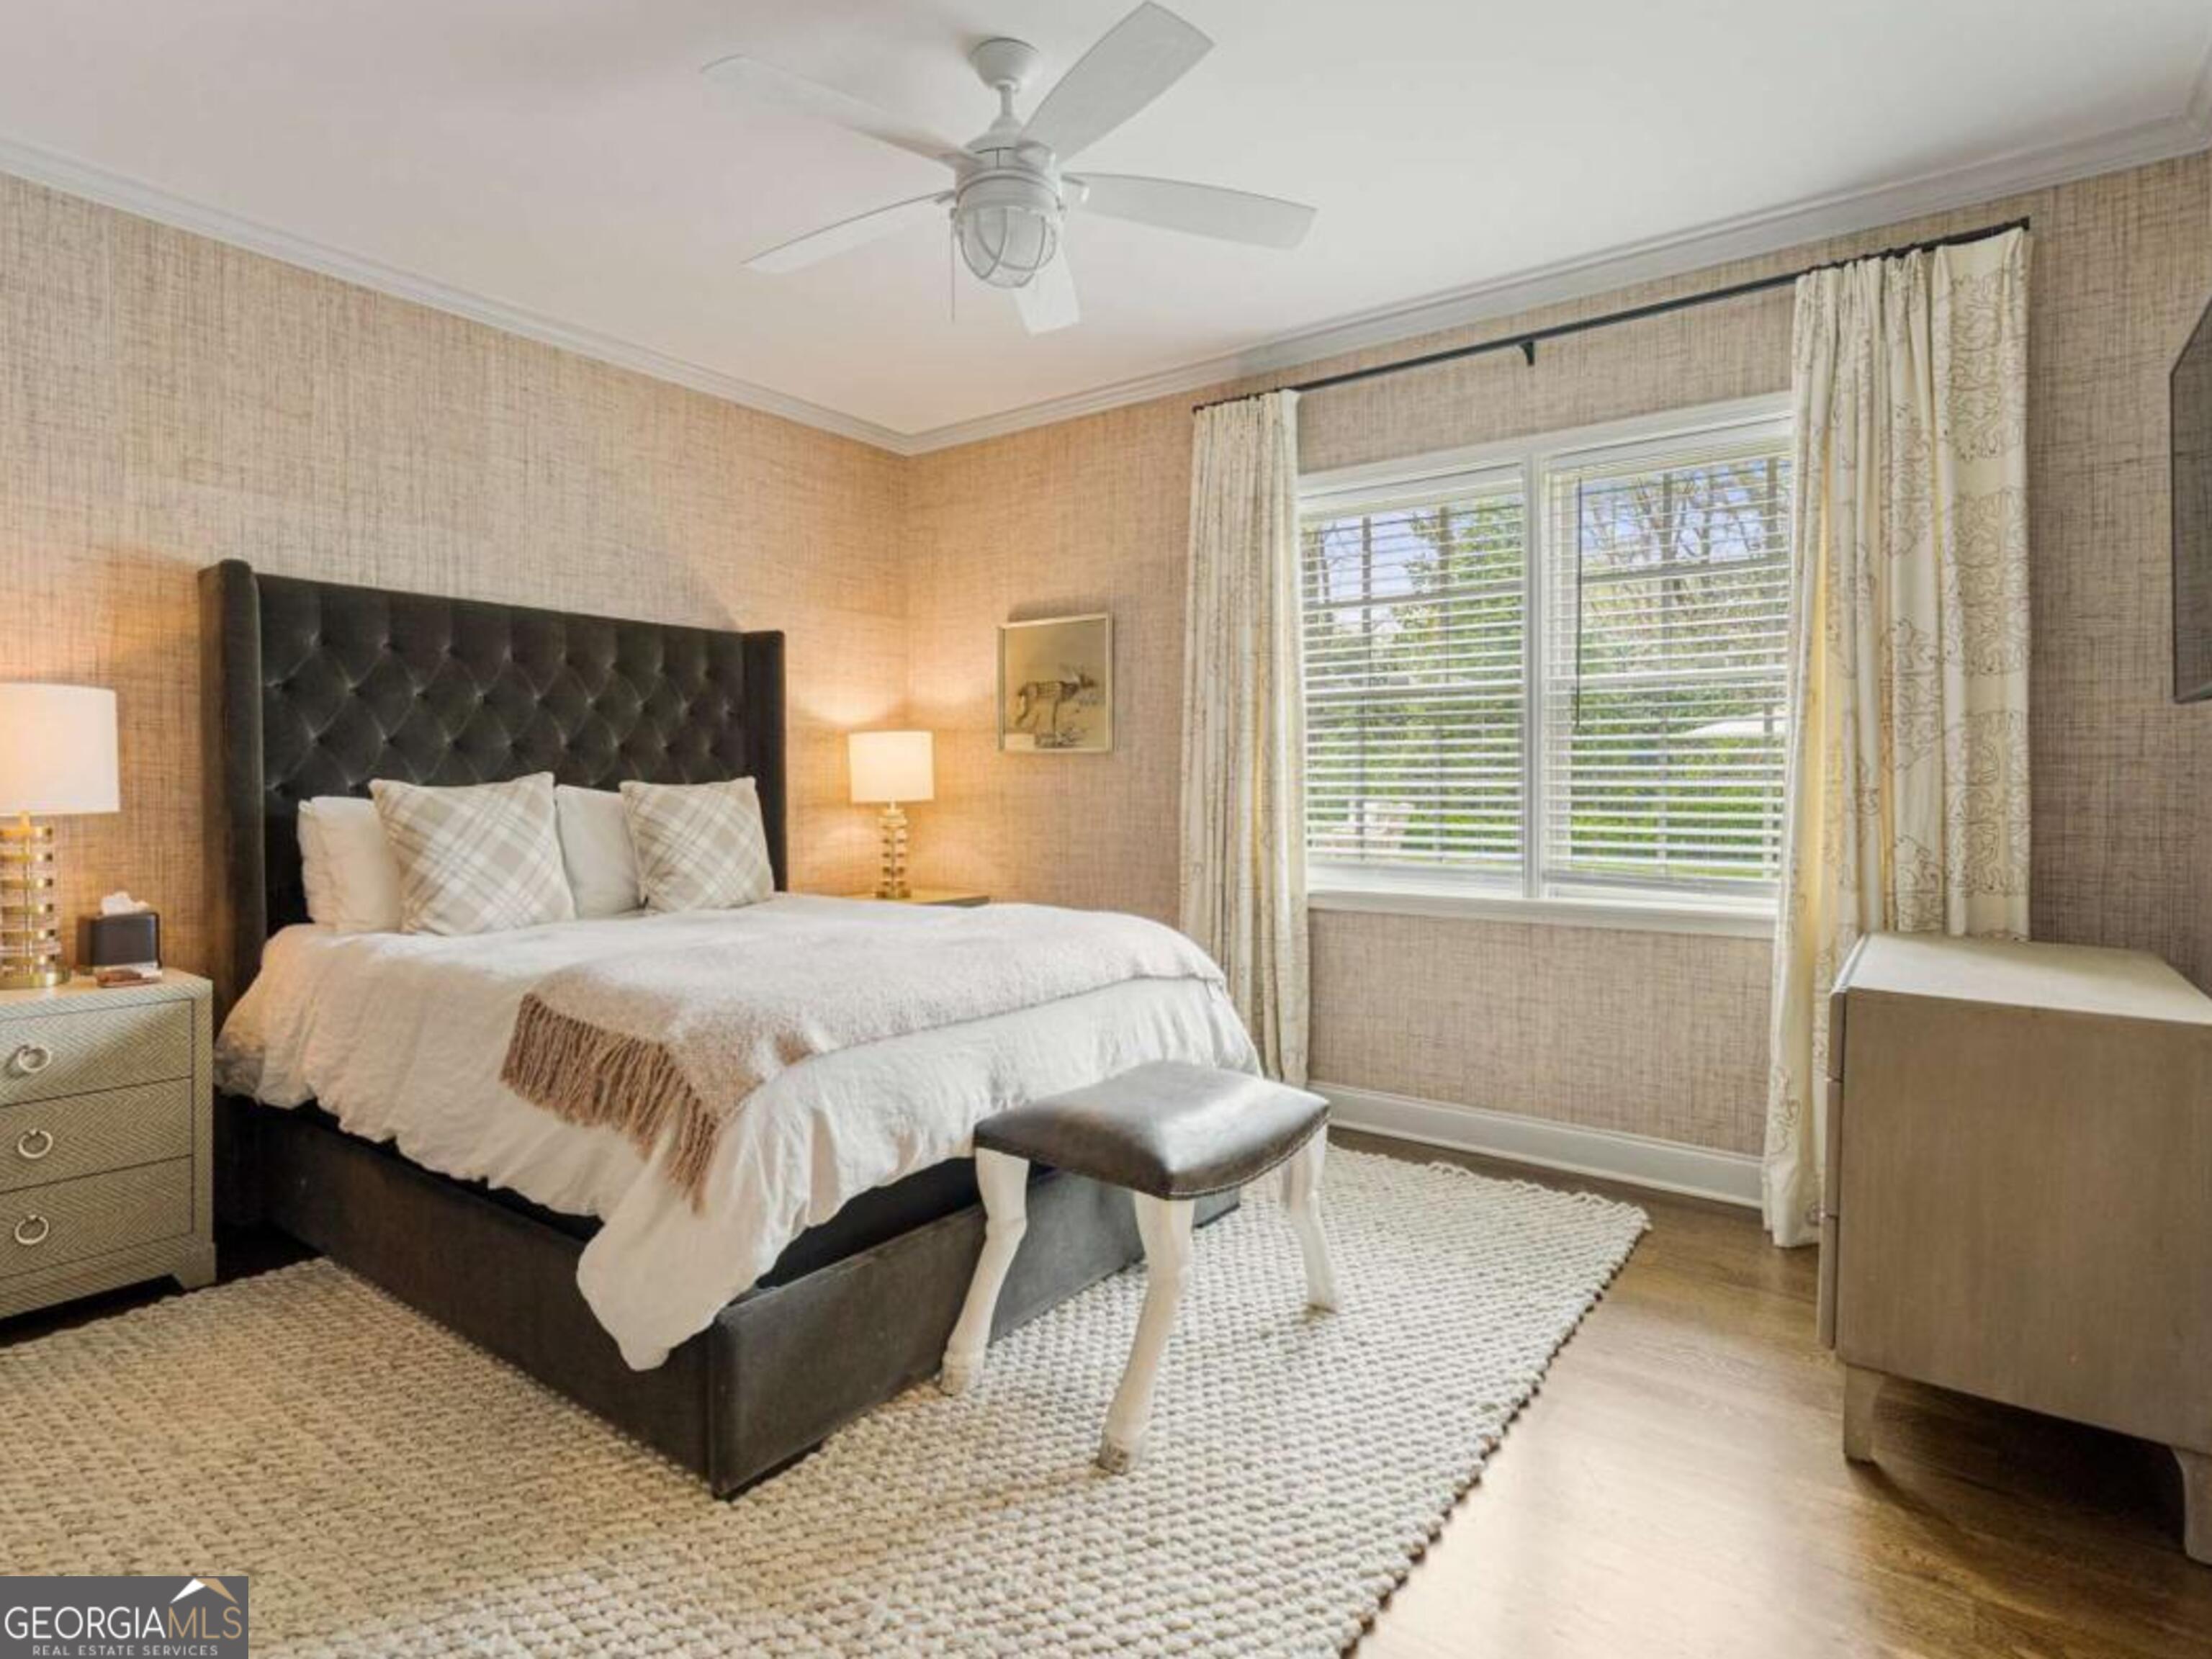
1908,801
1243,883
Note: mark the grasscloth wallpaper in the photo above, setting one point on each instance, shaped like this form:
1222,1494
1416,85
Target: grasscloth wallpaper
167,401
1659,1034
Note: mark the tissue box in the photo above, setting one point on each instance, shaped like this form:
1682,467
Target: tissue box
132,940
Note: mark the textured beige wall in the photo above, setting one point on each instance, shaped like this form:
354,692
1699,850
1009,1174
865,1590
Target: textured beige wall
1659,1034
1088,515
2122,774
166,402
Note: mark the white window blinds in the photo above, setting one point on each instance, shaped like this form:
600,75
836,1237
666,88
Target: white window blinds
1415,613
1556,670
1664,693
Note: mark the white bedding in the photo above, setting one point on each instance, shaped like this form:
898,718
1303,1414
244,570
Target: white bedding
400,1037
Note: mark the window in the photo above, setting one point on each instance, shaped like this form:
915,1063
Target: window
1415,611
1554,670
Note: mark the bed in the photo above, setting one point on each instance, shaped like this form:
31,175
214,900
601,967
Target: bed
312,688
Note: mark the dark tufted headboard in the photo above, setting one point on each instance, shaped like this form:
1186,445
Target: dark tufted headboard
314,688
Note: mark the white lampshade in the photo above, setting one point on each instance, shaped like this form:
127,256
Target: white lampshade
58,750
891,766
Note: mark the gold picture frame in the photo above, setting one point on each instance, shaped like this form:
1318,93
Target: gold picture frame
1056,685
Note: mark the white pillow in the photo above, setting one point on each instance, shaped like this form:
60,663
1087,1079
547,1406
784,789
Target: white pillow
595,849
352,881
314,869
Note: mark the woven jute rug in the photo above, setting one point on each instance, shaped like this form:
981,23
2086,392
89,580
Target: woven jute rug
392,1490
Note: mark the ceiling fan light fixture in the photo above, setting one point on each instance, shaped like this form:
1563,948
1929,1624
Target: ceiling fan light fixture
1010,198
1008,225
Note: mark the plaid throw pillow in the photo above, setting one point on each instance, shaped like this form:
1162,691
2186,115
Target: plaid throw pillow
475,859
700,846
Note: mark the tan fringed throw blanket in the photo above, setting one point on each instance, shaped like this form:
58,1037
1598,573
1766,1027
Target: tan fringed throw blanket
679,1038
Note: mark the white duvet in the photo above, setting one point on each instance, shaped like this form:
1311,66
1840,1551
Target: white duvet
400,1037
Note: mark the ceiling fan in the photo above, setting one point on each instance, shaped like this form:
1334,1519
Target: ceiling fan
1009,195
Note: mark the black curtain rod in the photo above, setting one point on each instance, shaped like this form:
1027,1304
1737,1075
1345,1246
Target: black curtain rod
1526,343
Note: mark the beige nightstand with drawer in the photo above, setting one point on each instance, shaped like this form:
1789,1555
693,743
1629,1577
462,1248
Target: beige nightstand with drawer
106,1124
2019,1151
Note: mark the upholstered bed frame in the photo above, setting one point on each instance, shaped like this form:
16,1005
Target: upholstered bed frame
314,688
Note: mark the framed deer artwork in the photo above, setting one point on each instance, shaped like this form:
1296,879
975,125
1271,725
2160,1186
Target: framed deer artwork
1056,685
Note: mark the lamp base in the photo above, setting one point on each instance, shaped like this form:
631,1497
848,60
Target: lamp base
30,931
891,882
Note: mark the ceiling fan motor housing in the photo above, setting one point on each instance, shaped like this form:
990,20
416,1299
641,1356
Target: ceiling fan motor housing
1007,215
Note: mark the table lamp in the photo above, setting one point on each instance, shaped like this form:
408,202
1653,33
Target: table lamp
56,757
891,767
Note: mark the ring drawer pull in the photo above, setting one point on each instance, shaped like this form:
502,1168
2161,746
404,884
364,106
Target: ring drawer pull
32,1145
33,1230
30,1059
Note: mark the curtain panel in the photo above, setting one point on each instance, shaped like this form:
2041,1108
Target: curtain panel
1243,880
1908,766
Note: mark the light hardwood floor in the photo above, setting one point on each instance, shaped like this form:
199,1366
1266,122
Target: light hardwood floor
1678,1489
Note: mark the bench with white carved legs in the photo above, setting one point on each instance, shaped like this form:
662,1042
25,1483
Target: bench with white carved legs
1170,1134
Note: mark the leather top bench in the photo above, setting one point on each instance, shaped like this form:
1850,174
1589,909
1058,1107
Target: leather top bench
1170,1133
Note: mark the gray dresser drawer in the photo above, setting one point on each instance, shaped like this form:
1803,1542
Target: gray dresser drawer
43,1141
45,1055
69,1220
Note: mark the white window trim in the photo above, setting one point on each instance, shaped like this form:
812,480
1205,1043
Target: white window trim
1343,887
1365,887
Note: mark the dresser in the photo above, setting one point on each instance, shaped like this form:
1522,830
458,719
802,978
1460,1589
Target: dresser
2019,1192
105,1115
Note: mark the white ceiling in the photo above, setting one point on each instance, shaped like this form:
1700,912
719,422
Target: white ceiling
560,165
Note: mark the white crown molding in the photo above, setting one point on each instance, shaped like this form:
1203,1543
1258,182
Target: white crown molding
2199,112
76,178
1745,237
1665,1166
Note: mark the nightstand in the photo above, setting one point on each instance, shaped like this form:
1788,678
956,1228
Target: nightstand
106,1140
2019,1139
930,895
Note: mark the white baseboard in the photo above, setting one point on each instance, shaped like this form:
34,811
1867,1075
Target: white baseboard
1666,1166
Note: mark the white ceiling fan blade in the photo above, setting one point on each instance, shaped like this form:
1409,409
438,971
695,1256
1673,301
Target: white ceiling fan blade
1047,299
750,78
1233,216
1132,63
847,234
